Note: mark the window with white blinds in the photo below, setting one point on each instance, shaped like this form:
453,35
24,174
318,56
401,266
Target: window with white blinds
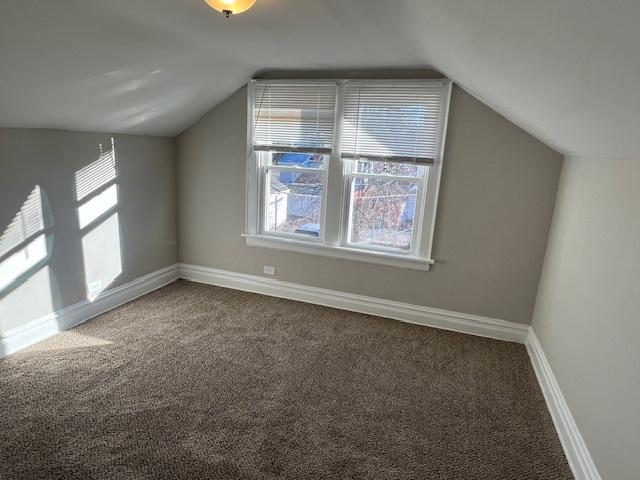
392,122
346,168
294,117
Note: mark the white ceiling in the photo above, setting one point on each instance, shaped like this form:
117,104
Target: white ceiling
567,71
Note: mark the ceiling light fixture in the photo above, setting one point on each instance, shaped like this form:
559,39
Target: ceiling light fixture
231,7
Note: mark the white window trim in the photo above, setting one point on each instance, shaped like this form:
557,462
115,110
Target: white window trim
332,240
314,247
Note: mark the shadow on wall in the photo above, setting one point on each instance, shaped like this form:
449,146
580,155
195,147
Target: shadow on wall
27,244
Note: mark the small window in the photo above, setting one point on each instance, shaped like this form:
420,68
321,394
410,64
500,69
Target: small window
346,168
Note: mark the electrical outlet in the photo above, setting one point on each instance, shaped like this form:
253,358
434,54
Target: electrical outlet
269,270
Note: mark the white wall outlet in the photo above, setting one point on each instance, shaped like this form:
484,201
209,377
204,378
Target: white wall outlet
269,270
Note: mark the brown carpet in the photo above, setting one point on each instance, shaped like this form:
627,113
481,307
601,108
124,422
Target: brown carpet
198,382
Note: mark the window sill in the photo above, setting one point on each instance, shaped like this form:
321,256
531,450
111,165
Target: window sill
311,248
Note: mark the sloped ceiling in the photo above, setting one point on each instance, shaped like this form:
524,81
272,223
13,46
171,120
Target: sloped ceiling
567,71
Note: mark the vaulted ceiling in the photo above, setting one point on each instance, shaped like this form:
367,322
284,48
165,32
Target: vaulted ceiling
567,71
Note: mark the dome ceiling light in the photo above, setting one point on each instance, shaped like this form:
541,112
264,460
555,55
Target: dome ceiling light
231,7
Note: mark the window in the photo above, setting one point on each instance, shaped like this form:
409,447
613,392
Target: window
295,188
382,208
346,168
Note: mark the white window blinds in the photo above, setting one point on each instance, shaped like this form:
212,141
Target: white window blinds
294,117
392,121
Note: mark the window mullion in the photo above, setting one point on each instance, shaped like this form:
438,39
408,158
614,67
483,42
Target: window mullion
334,195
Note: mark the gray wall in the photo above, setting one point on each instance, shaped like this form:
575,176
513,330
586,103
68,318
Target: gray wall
146,215
586,314
495,209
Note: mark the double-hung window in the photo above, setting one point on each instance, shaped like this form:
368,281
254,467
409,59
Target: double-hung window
346,168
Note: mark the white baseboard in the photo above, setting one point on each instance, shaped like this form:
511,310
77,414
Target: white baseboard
68,317
431,317
573,444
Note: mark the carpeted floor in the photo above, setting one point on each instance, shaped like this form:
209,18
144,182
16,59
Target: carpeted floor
199,382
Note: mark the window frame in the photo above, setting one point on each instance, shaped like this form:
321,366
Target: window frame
338,178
